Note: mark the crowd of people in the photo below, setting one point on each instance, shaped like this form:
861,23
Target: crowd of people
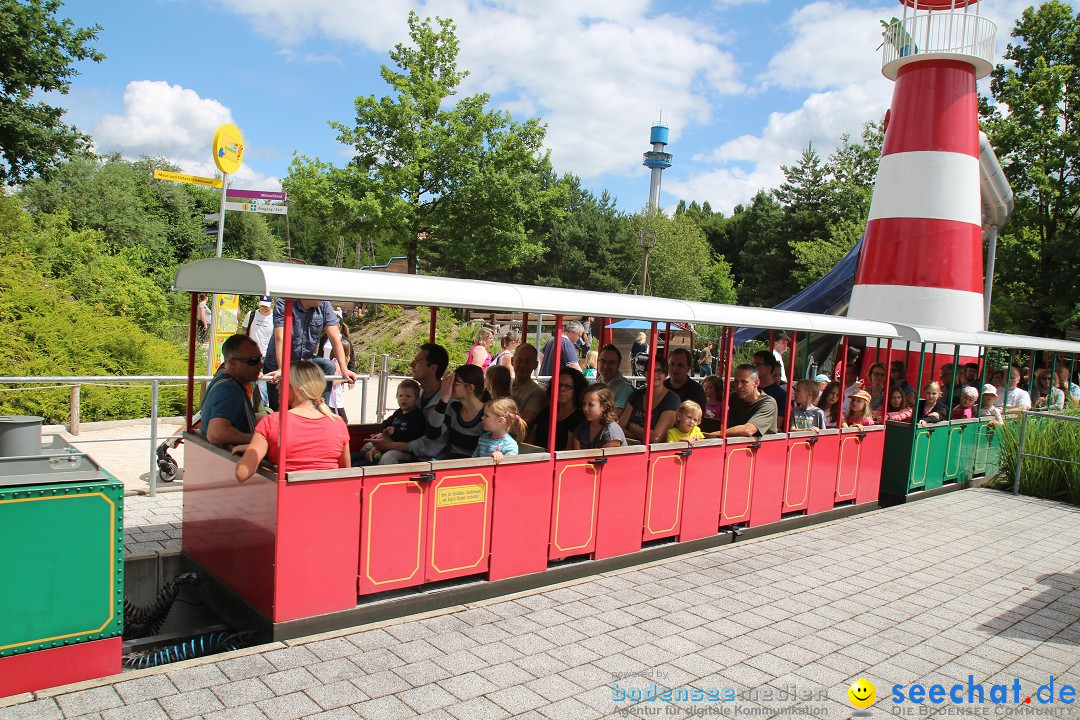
493,403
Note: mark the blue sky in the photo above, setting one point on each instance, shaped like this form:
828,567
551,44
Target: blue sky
744,84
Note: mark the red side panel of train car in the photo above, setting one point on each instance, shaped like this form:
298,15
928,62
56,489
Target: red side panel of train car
574,504
703,483
665,488
230,528
739,461
826,456
318,523
622,501
870,460
521,516
768,485
458,514
393,531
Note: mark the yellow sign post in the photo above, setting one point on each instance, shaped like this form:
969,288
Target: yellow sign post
228,151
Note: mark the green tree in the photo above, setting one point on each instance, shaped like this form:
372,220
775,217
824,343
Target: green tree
589,247
38,56
460,185
1038,142
850,171
681,264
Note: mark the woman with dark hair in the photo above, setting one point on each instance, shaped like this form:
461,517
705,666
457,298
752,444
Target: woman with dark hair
572,384
664,405
458,420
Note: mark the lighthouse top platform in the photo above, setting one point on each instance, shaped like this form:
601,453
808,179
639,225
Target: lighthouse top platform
938,35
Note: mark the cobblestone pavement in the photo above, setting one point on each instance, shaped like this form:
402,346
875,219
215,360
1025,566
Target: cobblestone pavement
973,583
152,524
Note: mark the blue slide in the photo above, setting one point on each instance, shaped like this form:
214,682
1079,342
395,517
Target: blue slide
828,296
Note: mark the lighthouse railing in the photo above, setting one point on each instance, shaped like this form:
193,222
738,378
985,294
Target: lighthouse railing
939,33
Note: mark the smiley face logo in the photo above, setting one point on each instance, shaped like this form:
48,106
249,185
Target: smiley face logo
862,693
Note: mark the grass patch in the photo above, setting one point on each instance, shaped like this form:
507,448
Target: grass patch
1049,438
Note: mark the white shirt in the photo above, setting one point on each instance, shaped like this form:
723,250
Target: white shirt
1018,398
262,329
780,359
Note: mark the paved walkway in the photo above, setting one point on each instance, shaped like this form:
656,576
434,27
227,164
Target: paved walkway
972,583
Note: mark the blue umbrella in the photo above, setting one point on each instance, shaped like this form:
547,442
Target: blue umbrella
641,325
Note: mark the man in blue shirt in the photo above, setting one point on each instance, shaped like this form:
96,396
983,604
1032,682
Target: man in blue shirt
227,415
310,319
572,332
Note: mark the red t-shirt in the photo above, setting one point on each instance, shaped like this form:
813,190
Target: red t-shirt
314,444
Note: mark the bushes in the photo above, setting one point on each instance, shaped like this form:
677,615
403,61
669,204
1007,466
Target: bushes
45,330
1043,478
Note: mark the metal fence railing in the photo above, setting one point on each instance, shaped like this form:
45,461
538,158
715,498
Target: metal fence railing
156,382
1020,454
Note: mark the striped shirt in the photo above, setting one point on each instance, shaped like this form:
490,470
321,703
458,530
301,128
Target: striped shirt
487,445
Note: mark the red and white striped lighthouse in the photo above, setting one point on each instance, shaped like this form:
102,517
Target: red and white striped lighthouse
922,261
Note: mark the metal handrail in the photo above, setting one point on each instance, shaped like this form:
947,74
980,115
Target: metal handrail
1024,415
155,384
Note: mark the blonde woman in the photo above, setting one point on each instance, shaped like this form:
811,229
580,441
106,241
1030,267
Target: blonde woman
479,354
318,439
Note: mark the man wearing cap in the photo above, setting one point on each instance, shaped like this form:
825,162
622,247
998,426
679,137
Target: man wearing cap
259,326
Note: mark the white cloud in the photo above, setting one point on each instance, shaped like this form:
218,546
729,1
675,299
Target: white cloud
846,90
291,55
598,73
163,120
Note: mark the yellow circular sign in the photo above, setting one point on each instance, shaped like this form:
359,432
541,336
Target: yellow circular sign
228,148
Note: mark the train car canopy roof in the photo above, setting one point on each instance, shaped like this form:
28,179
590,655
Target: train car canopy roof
943,336
250,277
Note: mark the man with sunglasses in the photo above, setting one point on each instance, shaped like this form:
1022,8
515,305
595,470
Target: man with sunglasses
228,417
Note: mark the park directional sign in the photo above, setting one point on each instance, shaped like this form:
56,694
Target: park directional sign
252,207
189,179
255,194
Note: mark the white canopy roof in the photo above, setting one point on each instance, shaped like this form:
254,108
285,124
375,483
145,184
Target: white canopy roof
942,336
249,277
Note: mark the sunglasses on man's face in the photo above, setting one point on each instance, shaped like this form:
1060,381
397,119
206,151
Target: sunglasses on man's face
252,361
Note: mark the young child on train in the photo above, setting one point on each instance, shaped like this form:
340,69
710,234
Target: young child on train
965,409
898,410
502,425
600,428
989,408
805,416
713,391
406,424
933,410
858,413
687,419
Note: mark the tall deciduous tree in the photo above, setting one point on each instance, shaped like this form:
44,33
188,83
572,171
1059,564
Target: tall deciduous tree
460,184
1038,143
38,56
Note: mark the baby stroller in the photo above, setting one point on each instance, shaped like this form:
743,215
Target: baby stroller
168,468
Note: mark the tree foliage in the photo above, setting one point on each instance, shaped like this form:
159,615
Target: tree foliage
38,55
68,308
1038,143
462,186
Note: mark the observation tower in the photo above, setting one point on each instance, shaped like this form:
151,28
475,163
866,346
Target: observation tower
922,261
657,160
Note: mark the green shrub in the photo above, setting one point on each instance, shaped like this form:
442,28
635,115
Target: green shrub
1040,477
